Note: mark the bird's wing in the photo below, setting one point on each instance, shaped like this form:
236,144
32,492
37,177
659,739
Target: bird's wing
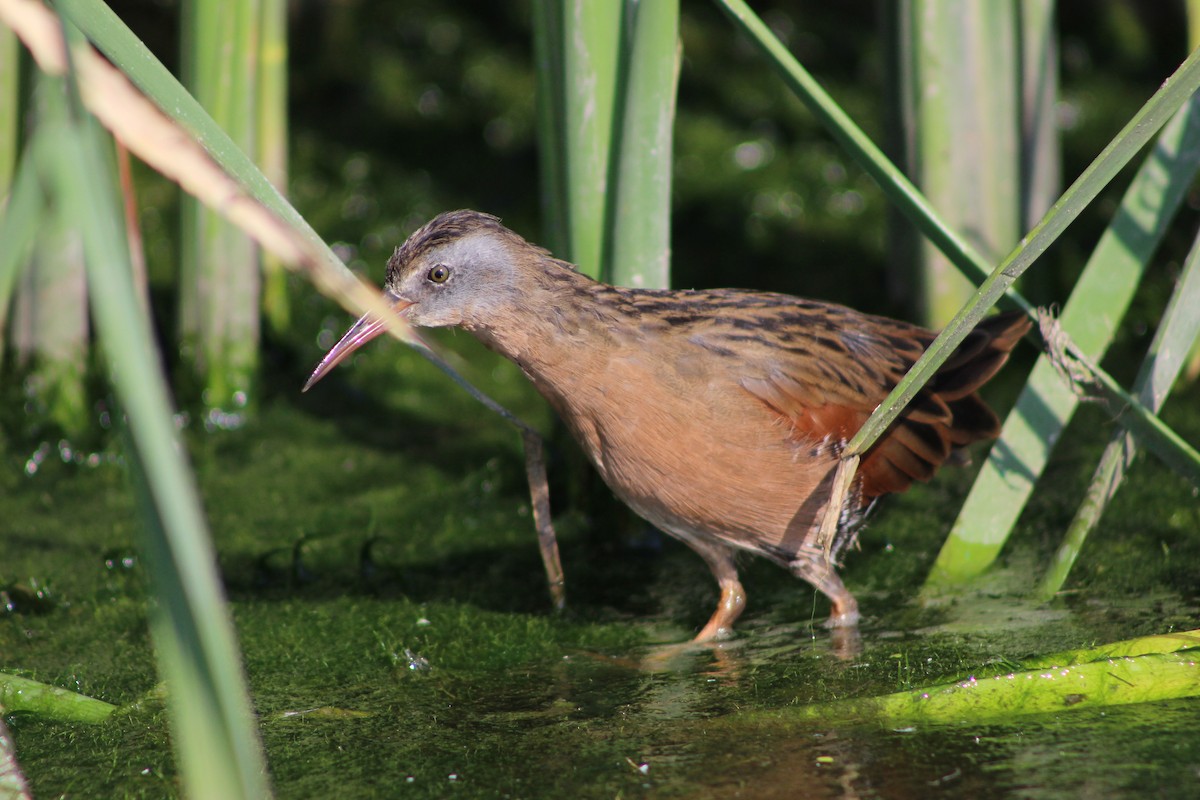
824,368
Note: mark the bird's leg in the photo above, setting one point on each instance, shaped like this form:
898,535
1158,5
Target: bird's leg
733,598
814,566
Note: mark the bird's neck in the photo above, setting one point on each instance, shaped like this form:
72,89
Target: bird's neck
558,326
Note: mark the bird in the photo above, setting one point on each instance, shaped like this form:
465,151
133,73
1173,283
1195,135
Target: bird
718,416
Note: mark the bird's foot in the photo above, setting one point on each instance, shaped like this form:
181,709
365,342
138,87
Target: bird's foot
843,618
720,626
714,631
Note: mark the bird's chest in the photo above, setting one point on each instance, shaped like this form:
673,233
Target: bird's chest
685,447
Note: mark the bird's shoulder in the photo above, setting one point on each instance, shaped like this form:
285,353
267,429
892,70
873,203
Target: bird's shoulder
814,351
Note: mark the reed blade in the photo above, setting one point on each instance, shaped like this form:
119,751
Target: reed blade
1177,334
638,217
1091,316
215,738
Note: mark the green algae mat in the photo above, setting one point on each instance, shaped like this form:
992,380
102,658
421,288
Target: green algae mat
392,611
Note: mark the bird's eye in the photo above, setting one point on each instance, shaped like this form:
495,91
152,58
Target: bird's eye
439,274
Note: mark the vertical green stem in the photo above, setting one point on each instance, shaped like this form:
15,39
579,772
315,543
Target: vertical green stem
551,121
50,317
958,67
1192,370
19,220
607,74
639,214
10,103
272,141
1040,153
220,282
1193,23
1040,150
10,85
579,42
591,39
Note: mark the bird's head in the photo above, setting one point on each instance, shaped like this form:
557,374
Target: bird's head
461,268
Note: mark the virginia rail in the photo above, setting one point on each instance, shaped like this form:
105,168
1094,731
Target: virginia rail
719,415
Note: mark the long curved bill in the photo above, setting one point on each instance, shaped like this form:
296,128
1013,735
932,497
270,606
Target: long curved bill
361,332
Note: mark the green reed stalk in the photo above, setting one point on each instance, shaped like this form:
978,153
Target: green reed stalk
607,74
1091,315
10,105
607,77
1177,333
214,736
959,92
638,218
49,319
271,131
1193,23
998,697
551,122
20,220
24,696
1158,643
1142,670
578,52
10,100
1041,154
1192,370
219,273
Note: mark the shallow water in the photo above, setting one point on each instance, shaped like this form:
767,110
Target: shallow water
389,599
